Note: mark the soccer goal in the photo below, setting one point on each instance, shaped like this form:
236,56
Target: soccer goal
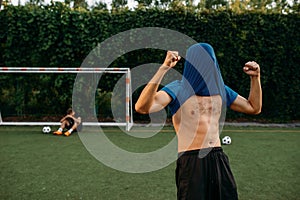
126,121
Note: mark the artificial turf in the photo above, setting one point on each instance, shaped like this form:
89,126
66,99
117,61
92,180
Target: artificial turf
265,163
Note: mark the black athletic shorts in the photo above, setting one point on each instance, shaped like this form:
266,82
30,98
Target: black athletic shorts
205,175
71,122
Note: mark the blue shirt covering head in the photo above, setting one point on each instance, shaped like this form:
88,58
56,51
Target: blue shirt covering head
201,76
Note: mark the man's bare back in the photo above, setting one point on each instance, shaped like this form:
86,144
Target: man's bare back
197,123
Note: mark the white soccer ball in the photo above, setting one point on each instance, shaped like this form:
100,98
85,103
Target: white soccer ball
226,140
46,129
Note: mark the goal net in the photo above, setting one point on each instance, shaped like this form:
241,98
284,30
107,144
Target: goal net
41,96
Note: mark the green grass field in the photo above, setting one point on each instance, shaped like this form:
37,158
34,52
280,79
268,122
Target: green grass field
265,162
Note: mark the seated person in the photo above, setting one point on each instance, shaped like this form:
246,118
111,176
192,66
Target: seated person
69,122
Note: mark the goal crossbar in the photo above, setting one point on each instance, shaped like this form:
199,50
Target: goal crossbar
62,70
129,118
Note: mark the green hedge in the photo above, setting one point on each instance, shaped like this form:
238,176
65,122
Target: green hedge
56,35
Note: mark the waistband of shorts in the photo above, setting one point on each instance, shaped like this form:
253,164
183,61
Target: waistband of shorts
197,151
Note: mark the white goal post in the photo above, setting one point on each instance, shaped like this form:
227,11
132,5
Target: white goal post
128,100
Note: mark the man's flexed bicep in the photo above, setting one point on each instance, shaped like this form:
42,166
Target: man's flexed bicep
243,105
161,100
152,103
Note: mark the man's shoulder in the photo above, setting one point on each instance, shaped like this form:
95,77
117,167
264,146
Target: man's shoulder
172,88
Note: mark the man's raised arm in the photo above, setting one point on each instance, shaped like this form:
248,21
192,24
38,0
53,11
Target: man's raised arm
150,100
253,104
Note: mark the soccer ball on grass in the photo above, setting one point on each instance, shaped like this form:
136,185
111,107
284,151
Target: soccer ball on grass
46,129
226,140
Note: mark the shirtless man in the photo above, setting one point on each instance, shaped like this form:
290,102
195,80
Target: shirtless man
196,118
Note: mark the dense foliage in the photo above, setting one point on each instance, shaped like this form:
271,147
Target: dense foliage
58,36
